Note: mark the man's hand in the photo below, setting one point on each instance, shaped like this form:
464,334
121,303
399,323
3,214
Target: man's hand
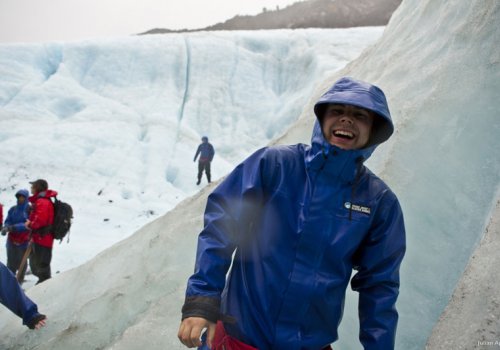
40,324
37,322
190,331
27,224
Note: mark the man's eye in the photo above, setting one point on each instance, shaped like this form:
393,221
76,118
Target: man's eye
335,111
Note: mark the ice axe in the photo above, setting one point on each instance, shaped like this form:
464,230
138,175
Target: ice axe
21,270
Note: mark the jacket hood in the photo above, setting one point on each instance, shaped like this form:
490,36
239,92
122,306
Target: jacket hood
23,193
358,93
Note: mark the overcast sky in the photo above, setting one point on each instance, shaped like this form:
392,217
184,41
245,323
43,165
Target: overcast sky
68,20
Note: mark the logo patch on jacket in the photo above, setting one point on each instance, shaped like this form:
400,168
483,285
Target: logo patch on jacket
358,208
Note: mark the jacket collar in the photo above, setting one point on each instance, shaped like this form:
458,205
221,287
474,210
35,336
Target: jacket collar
45,194
336,162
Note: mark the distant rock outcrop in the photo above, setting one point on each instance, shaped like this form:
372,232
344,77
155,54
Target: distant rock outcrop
309,14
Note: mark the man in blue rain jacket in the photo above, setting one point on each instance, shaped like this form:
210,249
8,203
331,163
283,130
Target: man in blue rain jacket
299,219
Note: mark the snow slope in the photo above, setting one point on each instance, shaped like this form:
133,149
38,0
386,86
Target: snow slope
438,63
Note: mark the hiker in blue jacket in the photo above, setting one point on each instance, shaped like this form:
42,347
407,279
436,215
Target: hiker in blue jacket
13,297
206,152
18,238
299,219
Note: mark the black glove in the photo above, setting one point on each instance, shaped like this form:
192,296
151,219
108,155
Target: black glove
4,231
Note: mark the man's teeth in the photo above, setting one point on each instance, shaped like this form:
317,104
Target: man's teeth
343,133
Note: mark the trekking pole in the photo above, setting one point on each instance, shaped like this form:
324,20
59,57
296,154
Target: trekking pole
21,271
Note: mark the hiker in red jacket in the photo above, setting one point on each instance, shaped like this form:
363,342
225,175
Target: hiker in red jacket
40,221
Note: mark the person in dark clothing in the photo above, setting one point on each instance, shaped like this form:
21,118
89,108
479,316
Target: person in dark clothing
13,297
290,224
206,152
18,238
40,221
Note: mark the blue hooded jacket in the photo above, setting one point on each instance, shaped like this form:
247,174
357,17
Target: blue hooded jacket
16,218
205,150
300,219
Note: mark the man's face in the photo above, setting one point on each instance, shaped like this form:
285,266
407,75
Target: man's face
20,199
347,126
33,189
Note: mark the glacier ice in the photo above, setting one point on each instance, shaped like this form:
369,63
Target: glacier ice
438,63
114,124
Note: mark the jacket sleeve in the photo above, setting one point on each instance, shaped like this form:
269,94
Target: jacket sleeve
212,153
8,219
16,225
378,260
13,297
229,208
197,152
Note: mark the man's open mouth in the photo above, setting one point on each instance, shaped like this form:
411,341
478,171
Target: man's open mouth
344,134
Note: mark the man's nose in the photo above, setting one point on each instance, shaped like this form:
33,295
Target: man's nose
346,118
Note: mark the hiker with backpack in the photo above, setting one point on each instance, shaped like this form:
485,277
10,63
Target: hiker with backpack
18,235
40,223
13,297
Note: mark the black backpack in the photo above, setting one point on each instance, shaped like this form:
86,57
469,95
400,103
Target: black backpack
63,214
